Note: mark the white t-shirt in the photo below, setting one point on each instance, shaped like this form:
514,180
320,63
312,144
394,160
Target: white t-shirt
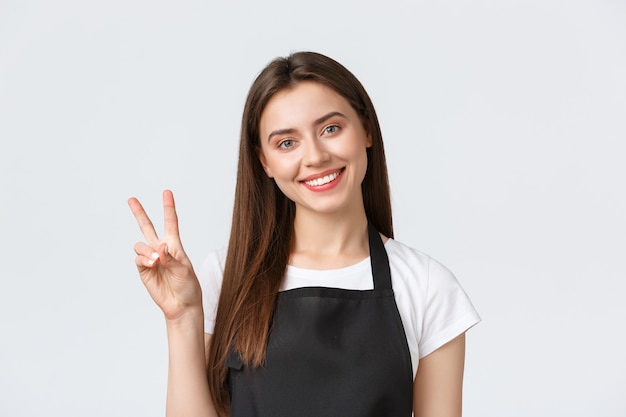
433,306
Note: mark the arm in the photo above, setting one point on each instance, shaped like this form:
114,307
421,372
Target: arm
171,281
187,385
438,386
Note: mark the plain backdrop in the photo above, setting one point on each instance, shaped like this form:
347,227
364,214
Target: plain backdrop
504,125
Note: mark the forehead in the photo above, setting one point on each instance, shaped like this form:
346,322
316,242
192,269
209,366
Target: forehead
300,105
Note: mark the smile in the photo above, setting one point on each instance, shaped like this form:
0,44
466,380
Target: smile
318,182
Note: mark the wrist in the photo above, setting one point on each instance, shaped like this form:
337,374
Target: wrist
189,317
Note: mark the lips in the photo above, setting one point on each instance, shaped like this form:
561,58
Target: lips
322,179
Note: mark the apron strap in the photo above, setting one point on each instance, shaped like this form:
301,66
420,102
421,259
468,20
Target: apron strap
379,260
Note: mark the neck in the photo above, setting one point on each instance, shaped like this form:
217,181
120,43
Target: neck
325,241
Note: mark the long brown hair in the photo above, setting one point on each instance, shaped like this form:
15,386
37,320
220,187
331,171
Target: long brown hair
262,224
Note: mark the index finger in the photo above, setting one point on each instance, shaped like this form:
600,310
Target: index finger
169,215
147,229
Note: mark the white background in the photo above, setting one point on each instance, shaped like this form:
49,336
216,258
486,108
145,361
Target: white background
504,124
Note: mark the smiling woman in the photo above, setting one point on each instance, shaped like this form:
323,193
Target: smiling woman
319,160
314,309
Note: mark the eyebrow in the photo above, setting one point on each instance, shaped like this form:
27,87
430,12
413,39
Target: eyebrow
315,123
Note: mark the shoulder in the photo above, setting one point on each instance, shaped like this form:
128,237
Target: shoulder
416,267
211,270
210,276
214,261
409,276
405,256
433,305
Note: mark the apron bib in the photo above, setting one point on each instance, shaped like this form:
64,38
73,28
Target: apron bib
331,353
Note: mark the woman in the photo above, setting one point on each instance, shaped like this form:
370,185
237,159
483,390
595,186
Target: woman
314,309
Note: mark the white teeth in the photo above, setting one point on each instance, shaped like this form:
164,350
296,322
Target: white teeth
324,180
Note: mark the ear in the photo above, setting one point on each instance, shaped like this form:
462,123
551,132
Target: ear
267,169
368,129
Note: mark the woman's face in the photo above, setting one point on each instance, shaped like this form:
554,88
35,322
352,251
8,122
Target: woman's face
313,144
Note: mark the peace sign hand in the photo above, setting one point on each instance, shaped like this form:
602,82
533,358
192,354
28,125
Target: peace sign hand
163,265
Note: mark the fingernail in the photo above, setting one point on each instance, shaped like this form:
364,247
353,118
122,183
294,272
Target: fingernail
165,250
151,262
155,255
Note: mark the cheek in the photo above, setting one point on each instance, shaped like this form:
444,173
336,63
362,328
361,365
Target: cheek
358,154
354,150
281,167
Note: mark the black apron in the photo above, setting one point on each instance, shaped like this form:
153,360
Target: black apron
331,353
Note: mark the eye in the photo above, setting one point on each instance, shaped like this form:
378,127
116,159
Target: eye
286,144
329,130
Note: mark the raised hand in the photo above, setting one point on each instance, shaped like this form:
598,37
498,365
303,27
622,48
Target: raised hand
163,264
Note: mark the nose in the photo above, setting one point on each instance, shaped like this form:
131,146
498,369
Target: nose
316,153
